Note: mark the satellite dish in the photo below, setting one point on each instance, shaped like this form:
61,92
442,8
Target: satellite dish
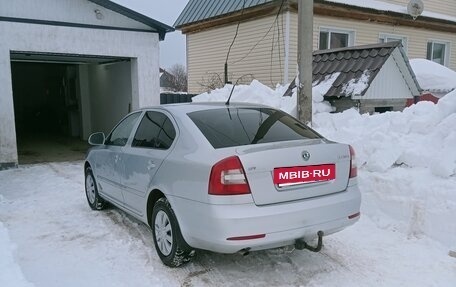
415,8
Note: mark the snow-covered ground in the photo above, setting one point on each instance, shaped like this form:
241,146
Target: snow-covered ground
407,174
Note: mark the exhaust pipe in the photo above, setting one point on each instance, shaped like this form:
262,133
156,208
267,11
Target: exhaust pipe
300,244
245,251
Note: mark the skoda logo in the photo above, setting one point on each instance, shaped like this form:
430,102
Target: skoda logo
305,155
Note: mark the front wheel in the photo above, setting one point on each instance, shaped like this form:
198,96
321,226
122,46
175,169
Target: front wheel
169,243
93,198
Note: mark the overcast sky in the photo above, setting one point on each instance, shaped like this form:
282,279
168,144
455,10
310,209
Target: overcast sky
172,49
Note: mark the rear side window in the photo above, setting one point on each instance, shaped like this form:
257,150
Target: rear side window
228,127
155,131
119,135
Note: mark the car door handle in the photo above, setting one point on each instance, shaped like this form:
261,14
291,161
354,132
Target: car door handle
150,165
116,158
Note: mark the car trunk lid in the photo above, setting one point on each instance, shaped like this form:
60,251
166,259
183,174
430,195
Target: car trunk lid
315,168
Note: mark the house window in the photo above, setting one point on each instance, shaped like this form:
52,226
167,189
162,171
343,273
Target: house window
335,38
438,52
385,38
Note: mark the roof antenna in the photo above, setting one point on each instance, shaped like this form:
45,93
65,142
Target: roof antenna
229,98
235,84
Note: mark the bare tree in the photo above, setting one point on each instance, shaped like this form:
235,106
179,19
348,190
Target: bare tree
211,82
179,79
214,81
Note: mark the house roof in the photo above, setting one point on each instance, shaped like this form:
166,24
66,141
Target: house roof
389,7
201,10
355,64
198,11
166,79
157,26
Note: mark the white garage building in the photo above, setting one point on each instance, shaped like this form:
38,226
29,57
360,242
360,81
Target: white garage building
71,67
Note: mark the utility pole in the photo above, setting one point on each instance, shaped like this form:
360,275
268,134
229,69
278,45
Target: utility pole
305,57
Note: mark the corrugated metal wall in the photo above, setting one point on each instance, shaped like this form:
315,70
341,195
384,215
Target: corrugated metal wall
388,84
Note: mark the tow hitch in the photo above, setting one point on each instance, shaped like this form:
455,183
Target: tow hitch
301,244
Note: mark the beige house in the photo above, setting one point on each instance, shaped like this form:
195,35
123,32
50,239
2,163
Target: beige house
265,46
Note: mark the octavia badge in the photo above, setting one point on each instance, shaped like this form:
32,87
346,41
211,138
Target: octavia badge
305,155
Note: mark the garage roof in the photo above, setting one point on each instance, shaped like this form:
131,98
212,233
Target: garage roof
159,27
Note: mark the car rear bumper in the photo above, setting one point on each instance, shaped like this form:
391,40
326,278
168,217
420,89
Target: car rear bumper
208,226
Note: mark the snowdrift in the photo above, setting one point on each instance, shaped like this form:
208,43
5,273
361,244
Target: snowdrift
423,135
256,92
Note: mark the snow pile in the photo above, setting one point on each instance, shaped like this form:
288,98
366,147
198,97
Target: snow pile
423,135
407,164
319,105
258,93
432,76
10,272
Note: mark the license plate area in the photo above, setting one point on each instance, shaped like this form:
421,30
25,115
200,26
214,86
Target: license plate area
287,176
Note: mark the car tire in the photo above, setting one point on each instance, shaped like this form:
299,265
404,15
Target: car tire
91,190
169,243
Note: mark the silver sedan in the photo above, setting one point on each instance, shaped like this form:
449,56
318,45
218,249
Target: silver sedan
225,178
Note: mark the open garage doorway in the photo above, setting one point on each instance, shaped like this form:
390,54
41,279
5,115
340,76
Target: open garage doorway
60,99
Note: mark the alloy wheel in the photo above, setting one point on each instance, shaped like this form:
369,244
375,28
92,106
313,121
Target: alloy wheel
163,233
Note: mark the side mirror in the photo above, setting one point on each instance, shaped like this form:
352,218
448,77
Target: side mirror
97,138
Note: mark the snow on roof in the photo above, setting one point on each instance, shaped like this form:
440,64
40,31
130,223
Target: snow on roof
357,86
382,6
432,76
323,87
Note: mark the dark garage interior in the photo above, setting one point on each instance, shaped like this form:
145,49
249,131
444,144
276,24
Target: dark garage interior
47,113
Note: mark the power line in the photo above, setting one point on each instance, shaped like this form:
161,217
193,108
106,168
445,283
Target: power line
272,51
264,36
232,43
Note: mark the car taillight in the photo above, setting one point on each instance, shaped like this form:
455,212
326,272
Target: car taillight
353,166
228,178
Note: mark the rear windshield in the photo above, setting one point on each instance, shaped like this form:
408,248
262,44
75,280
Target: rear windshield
228,127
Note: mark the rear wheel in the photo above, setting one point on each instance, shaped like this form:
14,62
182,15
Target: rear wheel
169,243
93,198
